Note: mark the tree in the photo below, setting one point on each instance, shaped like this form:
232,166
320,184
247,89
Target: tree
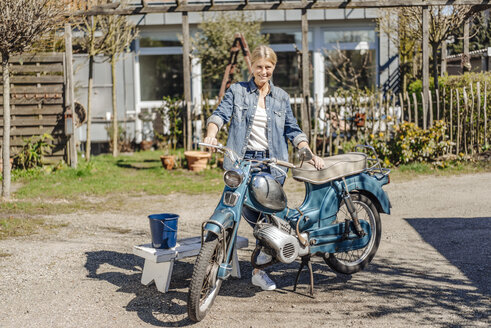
120,34
393,24
444,20
480,34
94,43
212,43
22,22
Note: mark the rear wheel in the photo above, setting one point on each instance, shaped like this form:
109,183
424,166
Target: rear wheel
204,283
356,260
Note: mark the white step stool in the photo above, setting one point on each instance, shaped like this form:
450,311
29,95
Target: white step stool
159,262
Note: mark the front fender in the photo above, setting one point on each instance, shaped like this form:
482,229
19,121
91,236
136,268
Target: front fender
221,218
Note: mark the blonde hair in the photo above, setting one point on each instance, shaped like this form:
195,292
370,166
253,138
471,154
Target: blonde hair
263,52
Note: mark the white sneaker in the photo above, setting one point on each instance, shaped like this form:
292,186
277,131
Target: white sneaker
262,280
263,258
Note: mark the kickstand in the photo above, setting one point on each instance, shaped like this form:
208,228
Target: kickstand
305,262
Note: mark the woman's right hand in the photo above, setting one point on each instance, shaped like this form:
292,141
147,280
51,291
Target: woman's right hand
211,141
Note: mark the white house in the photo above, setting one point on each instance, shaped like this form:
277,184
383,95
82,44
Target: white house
154,68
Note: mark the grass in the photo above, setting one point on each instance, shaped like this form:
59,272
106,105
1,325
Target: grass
136,174
411,171
119,230
108,179
107,182
15,227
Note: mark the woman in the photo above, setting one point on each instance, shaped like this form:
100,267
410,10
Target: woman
261,121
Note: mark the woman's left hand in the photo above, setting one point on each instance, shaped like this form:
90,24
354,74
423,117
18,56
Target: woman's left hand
317,162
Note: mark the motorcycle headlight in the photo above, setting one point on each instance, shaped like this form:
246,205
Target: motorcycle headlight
233,178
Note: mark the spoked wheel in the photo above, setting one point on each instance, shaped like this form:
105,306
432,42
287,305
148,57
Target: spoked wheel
204,282
353,261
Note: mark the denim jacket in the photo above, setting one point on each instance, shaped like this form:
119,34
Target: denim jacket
239,107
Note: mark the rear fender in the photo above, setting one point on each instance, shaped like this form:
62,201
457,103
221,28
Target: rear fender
372,188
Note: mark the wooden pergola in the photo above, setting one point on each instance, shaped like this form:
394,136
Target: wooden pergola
141,7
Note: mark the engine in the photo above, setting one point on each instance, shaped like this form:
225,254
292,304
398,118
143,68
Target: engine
284,246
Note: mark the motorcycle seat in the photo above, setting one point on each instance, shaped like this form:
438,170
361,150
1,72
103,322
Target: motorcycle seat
336,167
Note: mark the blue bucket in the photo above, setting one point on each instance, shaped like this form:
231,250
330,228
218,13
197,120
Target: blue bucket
164,230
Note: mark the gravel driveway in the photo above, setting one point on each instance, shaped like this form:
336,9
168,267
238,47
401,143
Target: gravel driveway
432,269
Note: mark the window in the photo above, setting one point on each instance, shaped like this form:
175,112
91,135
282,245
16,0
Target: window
161,75
349,36
211,87
151,39
288,37
350,58
350,68
287,74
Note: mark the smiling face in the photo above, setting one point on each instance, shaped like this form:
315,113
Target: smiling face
262,70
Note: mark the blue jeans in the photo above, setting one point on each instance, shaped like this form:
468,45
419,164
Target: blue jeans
252,216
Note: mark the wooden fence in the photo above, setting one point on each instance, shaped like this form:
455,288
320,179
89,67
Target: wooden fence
37,100
465,111
349,117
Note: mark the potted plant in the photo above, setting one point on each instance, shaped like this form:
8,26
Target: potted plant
197,160
168,160
171,112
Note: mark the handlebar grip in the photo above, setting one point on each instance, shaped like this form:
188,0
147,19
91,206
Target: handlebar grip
210,145
287,164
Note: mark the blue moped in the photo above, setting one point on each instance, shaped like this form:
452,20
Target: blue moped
338,219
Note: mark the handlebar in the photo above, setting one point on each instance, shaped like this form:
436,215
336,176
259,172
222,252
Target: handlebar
283,163
269,161
219,146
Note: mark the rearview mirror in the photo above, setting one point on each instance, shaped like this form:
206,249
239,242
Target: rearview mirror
304,154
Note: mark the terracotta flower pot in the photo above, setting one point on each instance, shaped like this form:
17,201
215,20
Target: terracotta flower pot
220,162
168,161
197,160
146,144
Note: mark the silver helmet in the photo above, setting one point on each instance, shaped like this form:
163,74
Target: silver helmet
267,192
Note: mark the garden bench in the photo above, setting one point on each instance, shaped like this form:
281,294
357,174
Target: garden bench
159,262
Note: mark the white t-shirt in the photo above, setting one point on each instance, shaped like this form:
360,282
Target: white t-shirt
258,140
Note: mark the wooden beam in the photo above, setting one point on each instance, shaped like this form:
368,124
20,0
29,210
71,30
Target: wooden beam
20,122
31,131
34,101
281,5
187,78
37,58
70,96
30,110
466,60
426,63
55,88
49,68
305,114
37,79
444,58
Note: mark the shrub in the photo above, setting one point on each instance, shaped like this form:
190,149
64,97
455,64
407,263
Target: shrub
33,151
172,110
464,80
412,144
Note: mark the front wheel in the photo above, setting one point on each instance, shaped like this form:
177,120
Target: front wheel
356,260
204,282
